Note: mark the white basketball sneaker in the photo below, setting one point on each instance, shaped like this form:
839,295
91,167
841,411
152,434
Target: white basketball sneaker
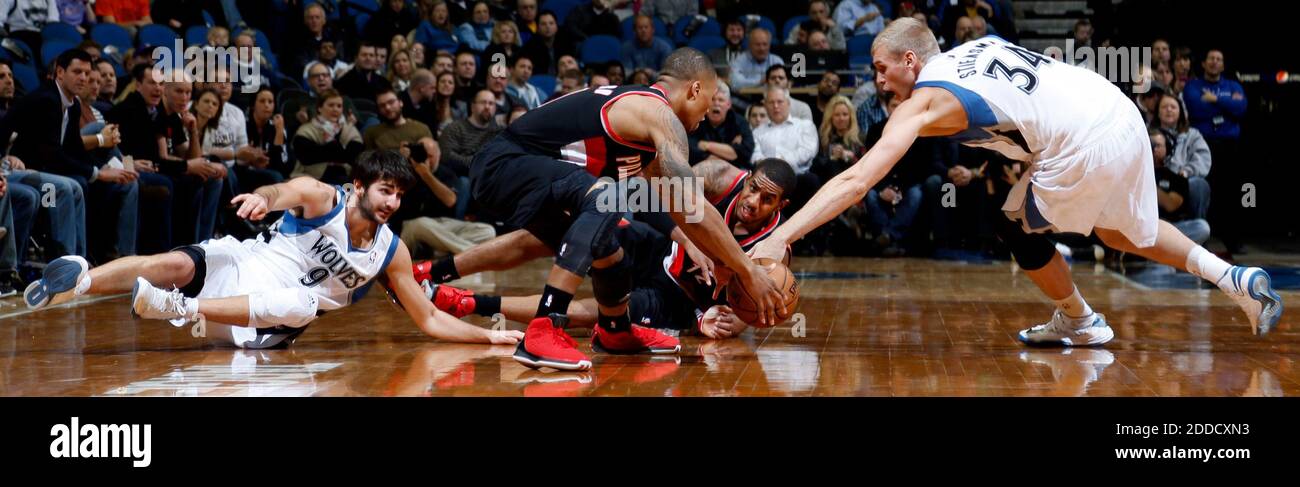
1252,289
151,303
1064,331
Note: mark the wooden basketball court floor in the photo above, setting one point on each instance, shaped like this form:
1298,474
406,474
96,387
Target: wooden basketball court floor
871,327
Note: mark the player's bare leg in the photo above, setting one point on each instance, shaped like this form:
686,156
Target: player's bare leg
504,252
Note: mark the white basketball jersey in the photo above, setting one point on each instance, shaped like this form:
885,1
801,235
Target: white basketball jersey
317,253
1021,103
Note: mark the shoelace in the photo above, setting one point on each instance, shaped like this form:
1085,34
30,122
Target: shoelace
174,301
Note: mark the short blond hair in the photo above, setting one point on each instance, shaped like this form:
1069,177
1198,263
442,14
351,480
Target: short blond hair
907,34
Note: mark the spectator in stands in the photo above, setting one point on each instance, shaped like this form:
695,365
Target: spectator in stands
545,47
1165,76
77,13
788,138
314,31
871,112
1190,156
756,116
1182,65
841,140
668,11
46,122
267,138
723,135
326,147
750,70
103,101
1215,106
641,77
477,32
827,89
419,56
1083,32
182,14
393,18
139,121
381,59
819,12
521,68
466,83
645,50
505,103
444,102
417,99
892,205
505,41
614,73
251,61
464,137
400,70
131,14
594,18
18,206
1175,192
394,130
328,55
567,62
362,81
779,77
444,62
438,19
1147,100
570,81
197,194
24,19
525,18
734,34
859,17
598,80
1160,51
7,87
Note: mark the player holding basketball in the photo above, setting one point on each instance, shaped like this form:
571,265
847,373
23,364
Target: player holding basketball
323,254
1089,158
672,290
532,174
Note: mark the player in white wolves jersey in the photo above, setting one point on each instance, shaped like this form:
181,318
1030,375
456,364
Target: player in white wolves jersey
1089,159
323,254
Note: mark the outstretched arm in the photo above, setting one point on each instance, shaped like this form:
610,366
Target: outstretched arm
314,197
432,321
929,112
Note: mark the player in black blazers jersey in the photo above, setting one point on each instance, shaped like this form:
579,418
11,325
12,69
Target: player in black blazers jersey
674,290
532,176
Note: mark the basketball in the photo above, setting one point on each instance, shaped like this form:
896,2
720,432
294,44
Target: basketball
743,304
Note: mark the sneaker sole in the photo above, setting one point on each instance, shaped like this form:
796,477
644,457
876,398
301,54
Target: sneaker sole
1261,289
595,346
536,362
135,292
1065,342
60,277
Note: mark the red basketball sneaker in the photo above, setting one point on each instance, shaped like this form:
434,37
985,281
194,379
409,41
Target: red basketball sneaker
458,302
423,271
639,340
545,344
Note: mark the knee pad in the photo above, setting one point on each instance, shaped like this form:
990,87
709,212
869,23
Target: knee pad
612,285
590,237
1031,250
294,307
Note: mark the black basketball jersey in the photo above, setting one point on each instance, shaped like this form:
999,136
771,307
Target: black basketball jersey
575,128
687,275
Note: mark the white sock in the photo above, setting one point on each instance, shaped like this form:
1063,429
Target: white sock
1073,306
1205,265
82,286
191,308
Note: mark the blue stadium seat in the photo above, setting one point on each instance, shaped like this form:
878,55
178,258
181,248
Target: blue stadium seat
21,46
208,21
52,49
196,36
706,43
156,35
111,35
545,83
59,31
361,20
601,49
26,77
434,39
711,27
760,21
353,7
859,48
561,8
